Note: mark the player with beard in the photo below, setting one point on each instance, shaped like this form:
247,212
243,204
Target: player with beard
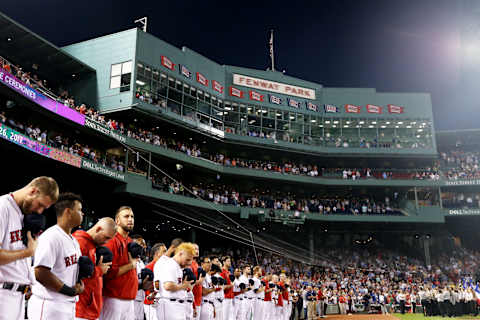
228,289
15,258
120,282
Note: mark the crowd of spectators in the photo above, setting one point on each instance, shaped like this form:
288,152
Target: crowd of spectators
461,200
68,143
227,195
460,164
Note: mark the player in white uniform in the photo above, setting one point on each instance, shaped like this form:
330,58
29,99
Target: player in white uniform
219,294
158,250
55,262
249,294
15,257
170,285
238,296
208,292
259,294
138,302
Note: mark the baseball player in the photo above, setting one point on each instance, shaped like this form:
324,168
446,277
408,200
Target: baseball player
170,285
259,294
138,302
197,288
219,293
56,264
249,294
120,282
150,305
268,306
90,301
208,292
287,306
228,289
238,293
15,257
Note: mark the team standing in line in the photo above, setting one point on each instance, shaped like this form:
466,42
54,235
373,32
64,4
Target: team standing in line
98,273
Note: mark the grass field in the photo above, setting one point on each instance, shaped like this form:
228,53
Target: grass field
420,316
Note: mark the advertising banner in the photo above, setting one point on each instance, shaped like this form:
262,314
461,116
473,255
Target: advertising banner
43,101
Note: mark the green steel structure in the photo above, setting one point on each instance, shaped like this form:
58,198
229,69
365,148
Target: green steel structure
135,74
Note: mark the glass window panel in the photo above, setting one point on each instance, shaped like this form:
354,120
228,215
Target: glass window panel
115,82
127,67
148,72
189,101
140,69
156,75
175,95
116,69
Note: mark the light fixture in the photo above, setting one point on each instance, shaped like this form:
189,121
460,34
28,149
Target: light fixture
140,82
313,121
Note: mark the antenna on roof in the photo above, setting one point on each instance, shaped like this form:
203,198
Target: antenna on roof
143,21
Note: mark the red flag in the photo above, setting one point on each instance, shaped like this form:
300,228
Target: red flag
201,78
394,109
255,96
350,108
167,63
373,109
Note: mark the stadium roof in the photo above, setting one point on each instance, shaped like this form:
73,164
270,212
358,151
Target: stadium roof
24,47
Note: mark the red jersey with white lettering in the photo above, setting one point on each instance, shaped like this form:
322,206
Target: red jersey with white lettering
226,276
11,224
124,286
59,252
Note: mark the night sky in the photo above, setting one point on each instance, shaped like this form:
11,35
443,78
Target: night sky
394,46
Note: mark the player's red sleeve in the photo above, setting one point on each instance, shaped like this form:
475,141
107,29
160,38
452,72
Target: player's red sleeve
113,271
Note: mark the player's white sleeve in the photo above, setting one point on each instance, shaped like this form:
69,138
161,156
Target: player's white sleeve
45,254
3,224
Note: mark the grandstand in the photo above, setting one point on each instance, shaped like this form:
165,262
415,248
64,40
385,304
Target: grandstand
234,157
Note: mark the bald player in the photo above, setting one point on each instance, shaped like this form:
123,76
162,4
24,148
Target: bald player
169,283
15,258
56,264
120,282
90,301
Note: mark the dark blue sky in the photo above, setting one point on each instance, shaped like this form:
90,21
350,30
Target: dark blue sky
412,46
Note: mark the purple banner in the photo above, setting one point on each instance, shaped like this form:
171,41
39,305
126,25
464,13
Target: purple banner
24,89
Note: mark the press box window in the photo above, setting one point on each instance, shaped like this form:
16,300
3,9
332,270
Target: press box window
120,76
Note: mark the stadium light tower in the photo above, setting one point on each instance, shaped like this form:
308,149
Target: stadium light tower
143,21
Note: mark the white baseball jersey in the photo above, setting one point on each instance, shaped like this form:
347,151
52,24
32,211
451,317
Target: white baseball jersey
11,224
207,283
59,252
168,270
140,293
236,287
249,293
219,294
257,285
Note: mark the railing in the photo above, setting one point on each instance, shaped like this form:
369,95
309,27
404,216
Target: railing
37,84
